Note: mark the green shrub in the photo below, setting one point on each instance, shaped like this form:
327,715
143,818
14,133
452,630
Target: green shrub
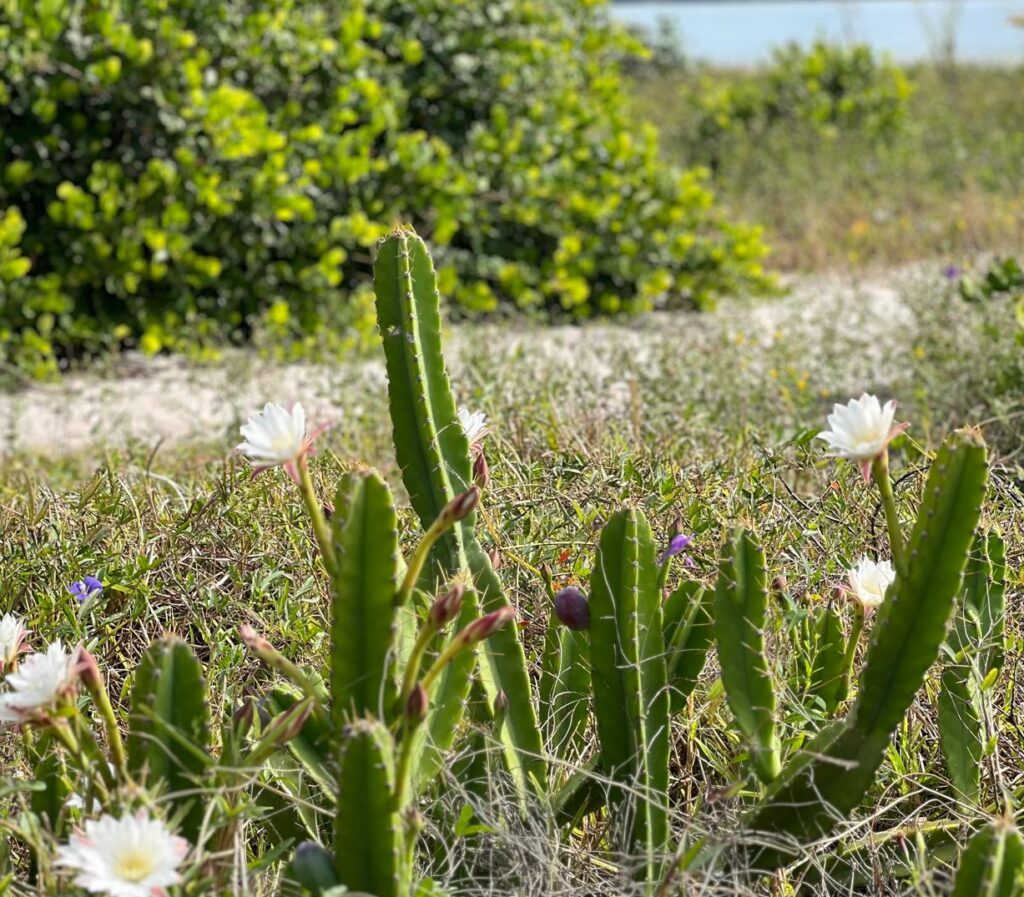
825,90
180,172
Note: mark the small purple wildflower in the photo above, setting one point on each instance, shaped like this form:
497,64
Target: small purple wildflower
83,589
676,546
951,272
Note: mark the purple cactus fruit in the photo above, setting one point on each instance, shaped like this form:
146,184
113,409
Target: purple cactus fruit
572,608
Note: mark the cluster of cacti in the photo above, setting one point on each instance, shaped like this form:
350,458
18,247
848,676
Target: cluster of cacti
422,654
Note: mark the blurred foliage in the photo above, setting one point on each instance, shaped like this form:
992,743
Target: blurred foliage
827,88
174,173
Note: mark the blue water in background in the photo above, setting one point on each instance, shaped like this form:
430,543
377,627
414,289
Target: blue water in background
743,32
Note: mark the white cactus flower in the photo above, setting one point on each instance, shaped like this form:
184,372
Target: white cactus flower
474,425
277,437
862,430
869,581
40,682
134,856
12,640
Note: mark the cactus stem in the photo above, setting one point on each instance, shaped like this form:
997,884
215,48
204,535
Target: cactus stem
316,516
880,472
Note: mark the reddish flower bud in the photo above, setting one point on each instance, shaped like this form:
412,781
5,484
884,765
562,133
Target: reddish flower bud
481,473
572,608
495,558
89,671
447,607
416,705
546,574
463,505
486,626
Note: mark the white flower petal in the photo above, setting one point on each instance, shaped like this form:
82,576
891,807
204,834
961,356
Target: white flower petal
134,856
861,429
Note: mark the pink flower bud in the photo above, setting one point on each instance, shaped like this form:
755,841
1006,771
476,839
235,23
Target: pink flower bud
481,473
463,505
447,607
484,627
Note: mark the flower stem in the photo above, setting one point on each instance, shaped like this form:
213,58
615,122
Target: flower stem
851,649
316,515
880,472
117,752
412,668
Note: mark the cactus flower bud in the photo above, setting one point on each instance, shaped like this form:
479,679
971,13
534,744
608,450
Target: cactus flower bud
463,504
416,705
494,556
572,608
484,627
779,585
89,671
546,574
447,607
481,472
313,867
500,703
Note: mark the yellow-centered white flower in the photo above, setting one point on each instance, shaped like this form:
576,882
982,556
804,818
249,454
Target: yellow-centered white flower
12,640
134,856
474,425
862,430
869,581
41,681
277,437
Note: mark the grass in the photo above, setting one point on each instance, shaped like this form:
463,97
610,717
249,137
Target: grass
949,186
705,419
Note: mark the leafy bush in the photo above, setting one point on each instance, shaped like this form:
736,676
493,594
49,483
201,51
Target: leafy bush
826,90
175,172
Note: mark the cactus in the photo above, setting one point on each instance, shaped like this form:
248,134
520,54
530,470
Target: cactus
170,727
992,864
363,593
740,601
688,635
829,777
369,848
434,455
975,646
829,681
630,679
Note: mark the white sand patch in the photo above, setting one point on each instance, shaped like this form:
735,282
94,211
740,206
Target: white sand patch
846,335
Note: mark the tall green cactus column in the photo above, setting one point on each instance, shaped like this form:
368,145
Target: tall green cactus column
434,455
630,682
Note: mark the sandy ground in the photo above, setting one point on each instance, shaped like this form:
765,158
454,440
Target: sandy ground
169,401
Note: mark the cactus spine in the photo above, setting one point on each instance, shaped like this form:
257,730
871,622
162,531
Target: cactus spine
831,775
434,455
740,603
630,679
